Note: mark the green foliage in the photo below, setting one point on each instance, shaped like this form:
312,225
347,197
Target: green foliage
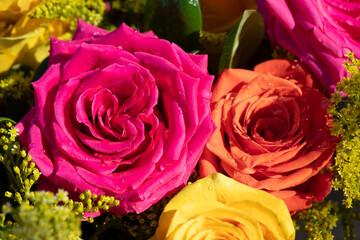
212,44
345,110
90,11
182,18
242,41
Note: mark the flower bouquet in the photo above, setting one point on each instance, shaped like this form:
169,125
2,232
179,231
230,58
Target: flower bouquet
179,119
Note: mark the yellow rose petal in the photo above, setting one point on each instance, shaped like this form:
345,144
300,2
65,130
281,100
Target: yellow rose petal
219,207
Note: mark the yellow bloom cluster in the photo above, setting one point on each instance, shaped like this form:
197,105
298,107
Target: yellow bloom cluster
22,39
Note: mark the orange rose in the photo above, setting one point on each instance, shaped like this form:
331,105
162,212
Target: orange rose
272,132
220,15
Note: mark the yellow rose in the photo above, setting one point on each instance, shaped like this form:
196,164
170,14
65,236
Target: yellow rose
222,15
218,207
24,40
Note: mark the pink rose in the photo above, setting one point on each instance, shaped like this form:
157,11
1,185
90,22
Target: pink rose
121,113
319,33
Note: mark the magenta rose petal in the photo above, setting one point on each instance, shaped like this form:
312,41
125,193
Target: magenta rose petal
37,148
133,177
122,148
176,128
44,89
94,56
61,50
85,30
200,60
65,169
321,36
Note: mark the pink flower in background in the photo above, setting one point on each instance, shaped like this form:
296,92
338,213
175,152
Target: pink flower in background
319,33
121,113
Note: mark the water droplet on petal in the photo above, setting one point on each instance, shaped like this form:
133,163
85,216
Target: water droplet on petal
123,180
163,166
146,195
229,155
210,188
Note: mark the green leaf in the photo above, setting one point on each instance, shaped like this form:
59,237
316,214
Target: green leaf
242,41
4,120
178,21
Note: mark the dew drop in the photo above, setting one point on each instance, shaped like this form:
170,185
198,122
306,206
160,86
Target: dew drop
163,166
270,84
32,145
123,180
96,34
229,155
210,188
146,195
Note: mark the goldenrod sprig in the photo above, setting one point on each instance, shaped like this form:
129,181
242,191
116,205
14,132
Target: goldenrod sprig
43,215
280,52
92,203
16,85
21,170
135,6
90,11
345,109
319,220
